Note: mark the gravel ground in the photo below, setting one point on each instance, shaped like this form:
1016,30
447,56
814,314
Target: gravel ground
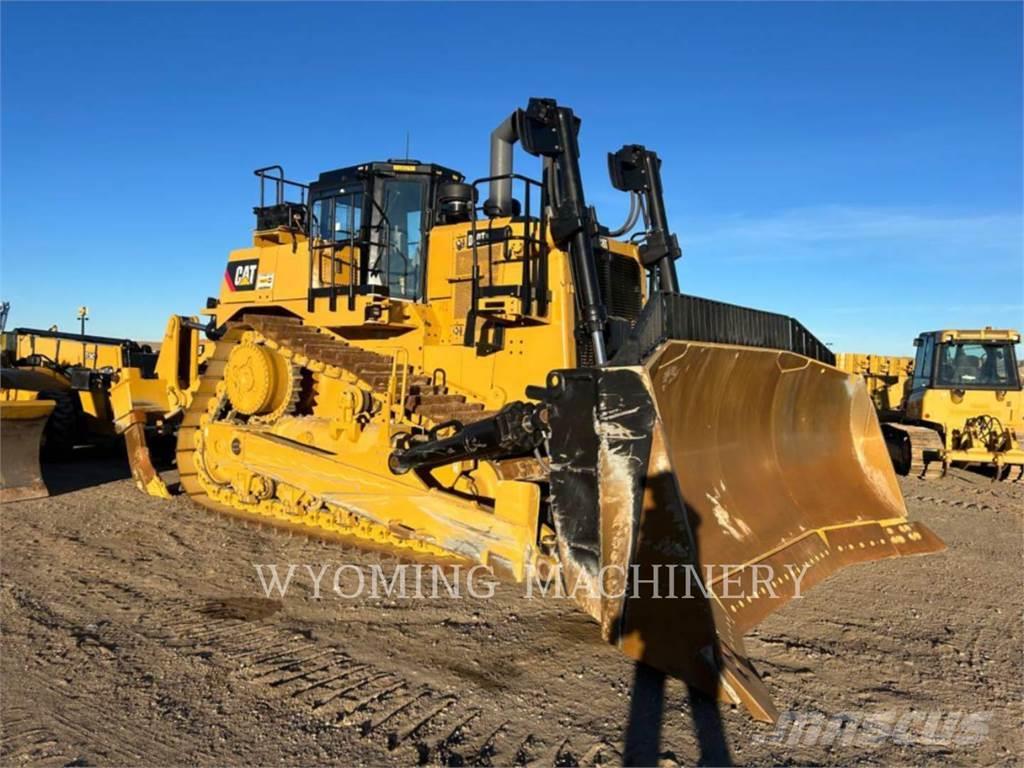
137,631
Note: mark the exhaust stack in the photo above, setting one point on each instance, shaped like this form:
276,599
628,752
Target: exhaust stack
500,201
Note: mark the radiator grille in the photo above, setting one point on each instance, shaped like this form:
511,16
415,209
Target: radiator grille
619,280
620,286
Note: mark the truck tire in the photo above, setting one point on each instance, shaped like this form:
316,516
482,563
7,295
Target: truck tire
62,428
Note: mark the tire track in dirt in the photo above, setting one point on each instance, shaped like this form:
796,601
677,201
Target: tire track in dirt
284,664
421,722
153,608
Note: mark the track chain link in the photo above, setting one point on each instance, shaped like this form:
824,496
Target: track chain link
295,343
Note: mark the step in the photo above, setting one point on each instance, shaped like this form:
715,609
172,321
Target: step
436,398
458,411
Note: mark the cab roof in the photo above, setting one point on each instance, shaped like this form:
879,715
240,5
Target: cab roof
353,173
981,334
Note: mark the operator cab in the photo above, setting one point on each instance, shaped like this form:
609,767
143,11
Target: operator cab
368,225
982,360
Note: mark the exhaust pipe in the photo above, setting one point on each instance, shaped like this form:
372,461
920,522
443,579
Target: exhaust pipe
548,131
499,201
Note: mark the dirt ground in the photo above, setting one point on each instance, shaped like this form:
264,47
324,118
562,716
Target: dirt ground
137,631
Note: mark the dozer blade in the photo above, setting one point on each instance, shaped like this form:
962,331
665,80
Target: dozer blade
751,474
146,478
21,435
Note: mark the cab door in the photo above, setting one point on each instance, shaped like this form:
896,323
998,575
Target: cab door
398,237
924,368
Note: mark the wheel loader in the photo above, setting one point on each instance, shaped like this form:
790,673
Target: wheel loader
514,384
963,406
61,390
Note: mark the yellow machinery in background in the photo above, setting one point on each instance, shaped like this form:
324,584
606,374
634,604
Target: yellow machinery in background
22,421
514,384
62,390
962,405
148,403
886,377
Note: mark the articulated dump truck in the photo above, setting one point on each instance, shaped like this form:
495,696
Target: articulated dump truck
514,384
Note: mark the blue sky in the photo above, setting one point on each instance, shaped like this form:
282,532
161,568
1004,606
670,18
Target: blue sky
856,166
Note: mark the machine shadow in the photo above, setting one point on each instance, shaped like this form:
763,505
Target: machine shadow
87,468
104,461
699,650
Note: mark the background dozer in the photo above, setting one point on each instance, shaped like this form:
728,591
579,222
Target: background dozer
59,391
514,384
961,405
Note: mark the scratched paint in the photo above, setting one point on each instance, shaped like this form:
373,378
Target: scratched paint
736,528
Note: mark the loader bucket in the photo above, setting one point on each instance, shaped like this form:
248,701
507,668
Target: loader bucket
702,491
21,435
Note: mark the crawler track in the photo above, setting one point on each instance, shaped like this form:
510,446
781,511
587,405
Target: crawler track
312,354
916,451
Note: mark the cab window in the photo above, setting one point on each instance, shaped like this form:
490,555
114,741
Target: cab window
337,219
397,241
923,363
348,213
976,364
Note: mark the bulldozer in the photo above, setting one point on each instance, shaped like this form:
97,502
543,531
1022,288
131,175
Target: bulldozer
962,406
60,391
511,383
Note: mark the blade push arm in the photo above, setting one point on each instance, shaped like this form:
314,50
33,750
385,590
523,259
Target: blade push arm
634,168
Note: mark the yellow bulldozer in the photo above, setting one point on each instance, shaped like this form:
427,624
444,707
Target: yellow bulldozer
513,384
959,404
60,390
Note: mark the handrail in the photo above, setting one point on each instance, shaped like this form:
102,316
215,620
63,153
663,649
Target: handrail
396,395
280,183
533,286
